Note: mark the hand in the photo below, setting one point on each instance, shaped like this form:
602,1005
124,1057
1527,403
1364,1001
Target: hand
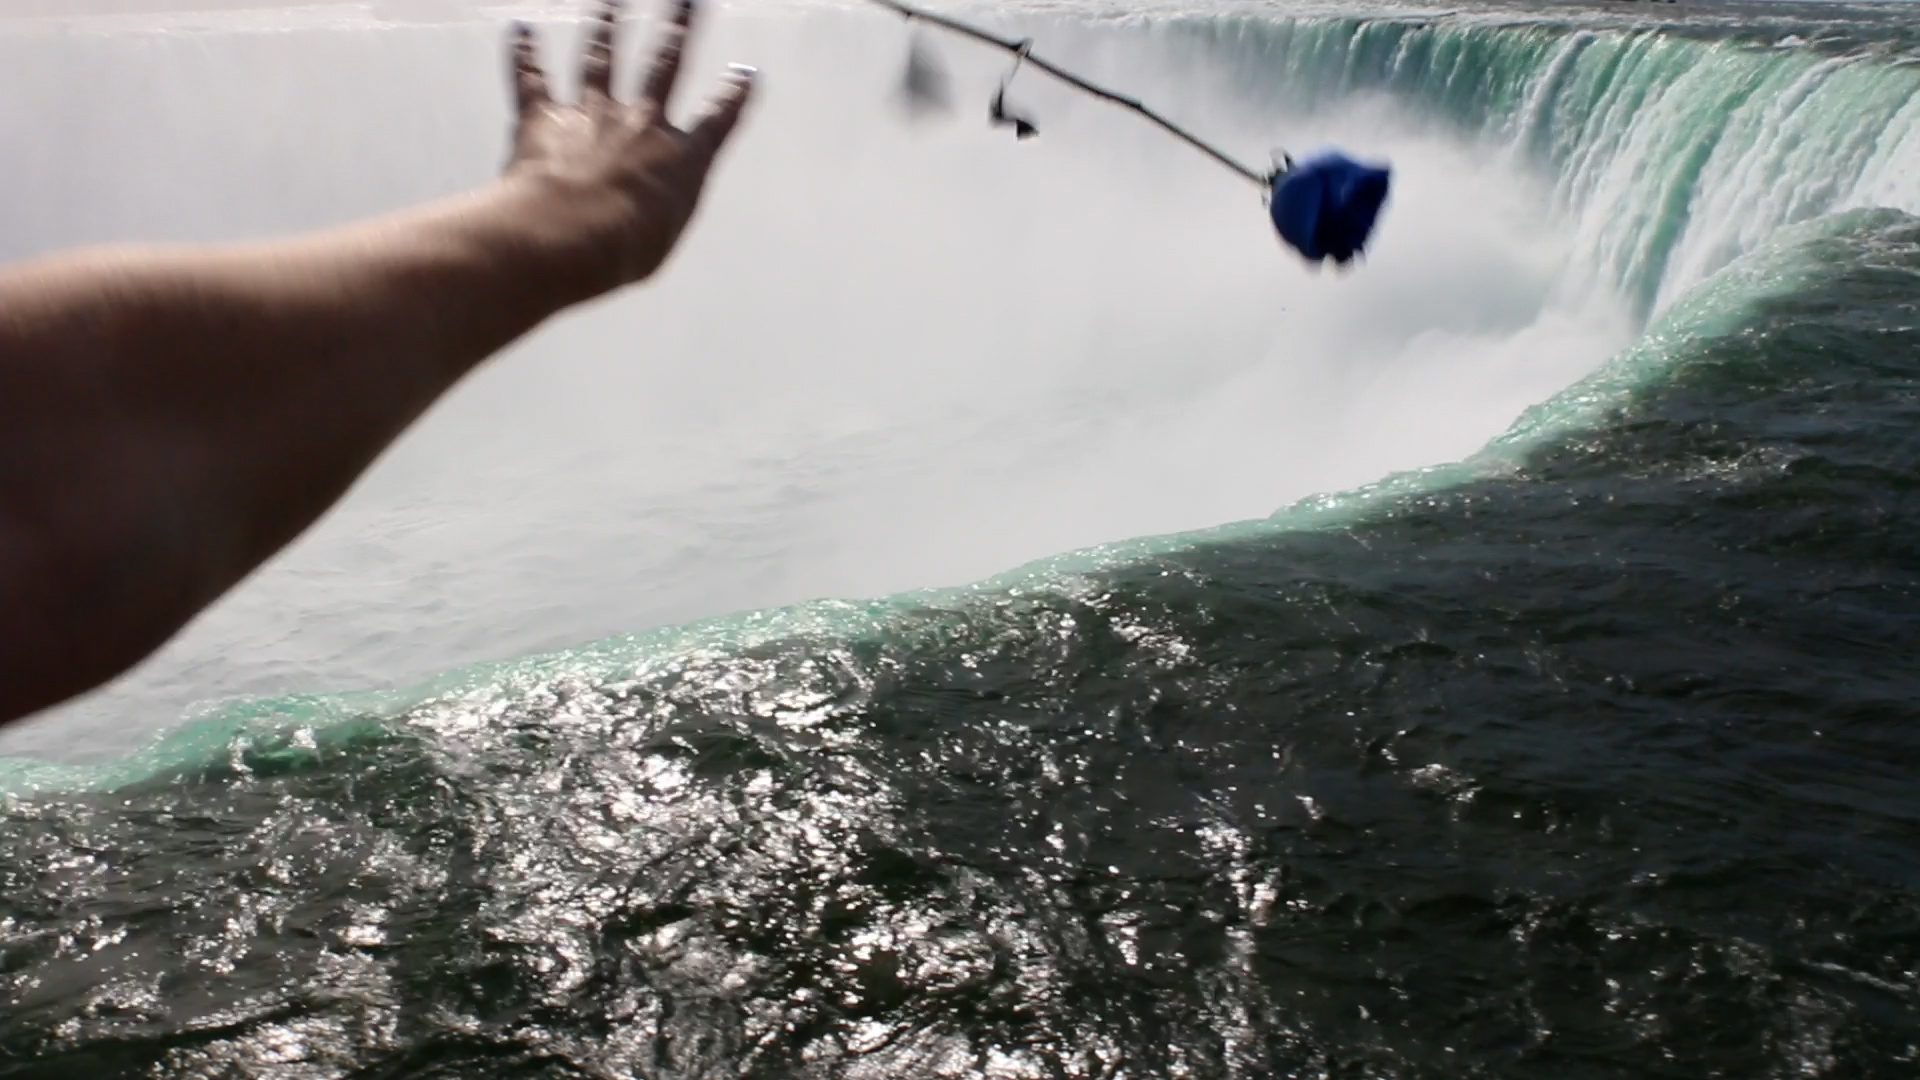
620,179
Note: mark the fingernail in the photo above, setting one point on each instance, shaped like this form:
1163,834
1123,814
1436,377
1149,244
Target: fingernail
745,71
522,27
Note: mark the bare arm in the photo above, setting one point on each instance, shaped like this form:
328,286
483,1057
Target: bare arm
172,417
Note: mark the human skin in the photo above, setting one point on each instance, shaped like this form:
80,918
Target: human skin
171,417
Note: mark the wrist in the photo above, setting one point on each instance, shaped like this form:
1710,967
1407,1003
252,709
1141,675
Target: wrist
475,272
461,278
565,234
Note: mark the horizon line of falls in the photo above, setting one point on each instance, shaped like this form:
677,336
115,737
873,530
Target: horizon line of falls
894,356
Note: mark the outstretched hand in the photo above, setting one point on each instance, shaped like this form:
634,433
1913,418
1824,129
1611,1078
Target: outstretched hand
172,416
625,178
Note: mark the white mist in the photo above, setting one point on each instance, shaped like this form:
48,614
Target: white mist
887,357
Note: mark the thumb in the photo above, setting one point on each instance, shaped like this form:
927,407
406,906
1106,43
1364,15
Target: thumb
710,132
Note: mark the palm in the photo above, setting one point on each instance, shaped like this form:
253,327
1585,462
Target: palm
602,146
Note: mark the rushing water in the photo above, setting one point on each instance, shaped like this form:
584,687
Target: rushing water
1559,723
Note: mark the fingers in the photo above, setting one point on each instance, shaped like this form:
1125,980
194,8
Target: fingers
596,68
666,63
529,81
710,132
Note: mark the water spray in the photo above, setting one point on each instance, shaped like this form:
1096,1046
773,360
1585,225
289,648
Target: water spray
1323,206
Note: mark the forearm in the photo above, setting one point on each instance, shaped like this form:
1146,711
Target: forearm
413,298
170,418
